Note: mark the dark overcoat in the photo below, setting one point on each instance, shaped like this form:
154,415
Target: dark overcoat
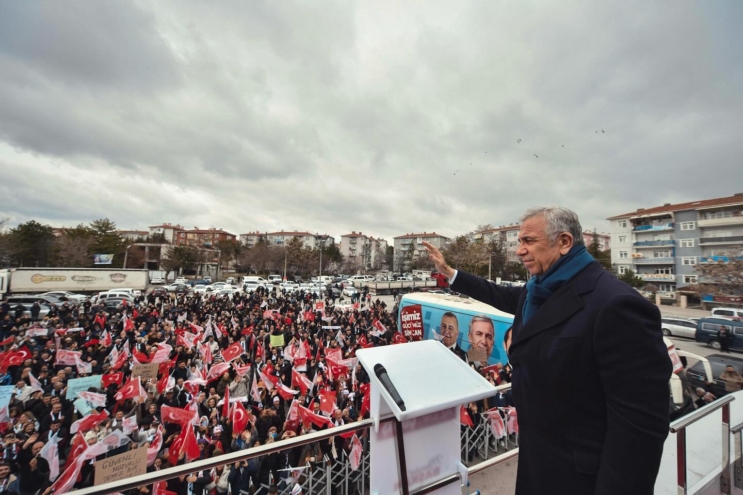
590,385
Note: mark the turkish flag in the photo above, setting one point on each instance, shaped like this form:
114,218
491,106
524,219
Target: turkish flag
88,422
128,324
226,405
316,419
175,447
65,482
268,380
365,405
247,331
285,392
301,381
162,383
140,356
464,417
131,389
232,352
309,316
364,388
106,339
399,338
216,371
77,447
334,354
112,379
239,417
100,318
187,340
162,354
327,402
379,329
362,340
190,445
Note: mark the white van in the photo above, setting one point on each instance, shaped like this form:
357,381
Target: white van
325,280
357,280
727,312
102,296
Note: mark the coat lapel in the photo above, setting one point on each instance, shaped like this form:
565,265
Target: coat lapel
561,305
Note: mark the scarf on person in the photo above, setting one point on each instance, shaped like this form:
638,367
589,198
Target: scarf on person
541,287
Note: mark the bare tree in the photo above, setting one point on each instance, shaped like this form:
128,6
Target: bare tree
73,251
722,275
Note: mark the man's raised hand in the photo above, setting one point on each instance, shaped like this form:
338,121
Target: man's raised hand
438,260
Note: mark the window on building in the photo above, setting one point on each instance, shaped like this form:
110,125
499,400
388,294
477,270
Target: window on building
664,271
690,279
623,269
688,225
686,243
622,224
718,233
622,238
661,254
623,255
689,260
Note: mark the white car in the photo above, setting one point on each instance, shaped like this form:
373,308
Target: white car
157,279
349,291
200,289
181,280
251,286
207,279
227,291
70,296
678,327
230,280
274,279
216,286
289,286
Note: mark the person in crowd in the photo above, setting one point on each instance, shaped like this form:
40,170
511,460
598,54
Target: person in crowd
574,319
733,380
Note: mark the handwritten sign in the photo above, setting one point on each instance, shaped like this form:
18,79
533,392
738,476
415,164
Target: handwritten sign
82,385
119,467
5,392
146,370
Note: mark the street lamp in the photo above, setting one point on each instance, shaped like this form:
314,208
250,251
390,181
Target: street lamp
322,239
126,255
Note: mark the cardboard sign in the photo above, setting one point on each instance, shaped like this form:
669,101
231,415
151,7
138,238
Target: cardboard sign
119,467
277,340
477,355
82,385
411,319
146,371
320,306
5,392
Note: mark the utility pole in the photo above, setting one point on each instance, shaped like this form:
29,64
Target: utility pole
126,255
285,254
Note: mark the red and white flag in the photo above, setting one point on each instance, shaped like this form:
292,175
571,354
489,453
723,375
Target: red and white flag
37,332
327,402
35,384
232,352
301,381
131,389
89,422
106,339
112,379
464,417
165,383
65,482
285,392
216,371
162,354
239,417
68,358
129,424
50,452
512,422
316,419
176,415
268,380
356,452
206,353
128,323
399,338
496,425
97,400
379,329
187,340
190,445
254,393
155,446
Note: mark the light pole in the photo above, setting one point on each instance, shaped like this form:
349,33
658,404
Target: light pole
321,238
126,255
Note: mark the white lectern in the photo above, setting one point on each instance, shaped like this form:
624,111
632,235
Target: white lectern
422,446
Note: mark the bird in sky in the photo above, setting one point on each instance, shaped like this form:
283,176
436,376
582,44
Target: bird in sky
536,155
563,145
518,140
602,131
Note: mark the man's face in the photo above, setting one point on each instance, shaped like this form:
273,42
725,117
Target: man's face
37,448
56,408
449,330
481,336
535,249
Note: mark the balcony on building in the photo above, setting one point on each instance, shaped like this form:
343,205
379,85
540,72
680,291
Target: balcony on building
719,259
654,261
653,227
720,218
642,244
657,277
712,241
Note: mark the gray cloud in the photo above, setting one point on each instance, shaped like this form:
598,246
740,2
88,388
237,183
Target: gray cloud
340,117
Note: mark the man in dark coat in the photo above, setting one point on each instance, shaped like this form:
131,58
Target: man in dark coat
590,369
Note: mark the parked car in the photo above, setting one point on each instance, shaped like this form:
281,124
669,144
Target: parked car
182,289
27,301
227,291
230,281
251,286
727,312
289,286
115,302
102,296
200,289
718,362
707,329
159,291
157,279
181,280
274,279
678,327
216,286
66,295
207,279
349,291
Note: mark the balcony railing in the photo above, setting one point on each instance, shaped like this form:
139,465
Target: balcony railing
648,228
715,222
734,239
657,277
667,242
654,261
719,259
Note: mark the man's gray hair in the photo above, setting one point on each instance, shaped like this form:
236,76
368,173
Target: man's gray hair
484,318
559,219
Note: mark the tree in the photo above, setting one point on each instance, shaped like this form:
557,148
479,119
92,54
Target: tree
498,257
108,241
5,246
31,244
630,278
181,259
603,257
468,256
723,275
73,247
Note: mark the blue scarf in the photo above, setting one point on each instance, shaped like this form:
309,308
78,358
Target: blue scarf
541,287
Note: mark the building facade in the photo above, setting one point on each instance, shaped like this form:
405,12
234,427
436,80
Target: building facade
410,246
169,231
203,237
363,251
251,238
604,239
132,235
663,245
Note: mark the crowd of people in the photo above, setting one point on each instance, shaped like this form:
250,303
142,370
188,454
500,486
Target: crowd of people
232,373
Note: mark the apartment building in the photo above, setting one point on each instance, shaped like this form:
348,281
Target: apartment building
169,231
410,246
309,240
251,238
603,239
378,252
132,235
664,244
507,235
366,252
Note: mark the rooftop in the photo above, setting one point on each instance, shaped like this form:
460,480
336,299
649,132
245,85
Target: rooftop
735,199
423,234
168,226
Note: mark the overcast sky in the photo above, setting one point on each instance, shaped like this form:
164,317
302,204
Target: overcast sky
366,116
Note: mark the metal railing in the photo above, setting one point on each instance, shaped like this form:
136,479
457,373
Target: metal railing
679,426
666,242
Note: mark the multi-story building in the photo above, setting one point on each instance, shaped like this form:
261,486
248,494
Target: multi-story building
132,235
203,237
308,239
378,253
169,231
363,251
251,238
603,239
507,235
410,246
663,244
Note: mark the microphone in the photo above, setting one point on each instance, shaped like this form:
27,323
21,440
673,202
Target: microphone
381,373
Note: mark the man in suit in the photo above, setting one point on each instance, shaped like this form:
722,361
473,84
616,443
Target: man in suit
590,369
450,333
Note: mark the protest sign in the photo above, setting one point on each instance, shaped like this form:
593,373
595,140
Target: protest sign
76,385
277,340
411,318
146,371
320,306
5,392
119,467
334,327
